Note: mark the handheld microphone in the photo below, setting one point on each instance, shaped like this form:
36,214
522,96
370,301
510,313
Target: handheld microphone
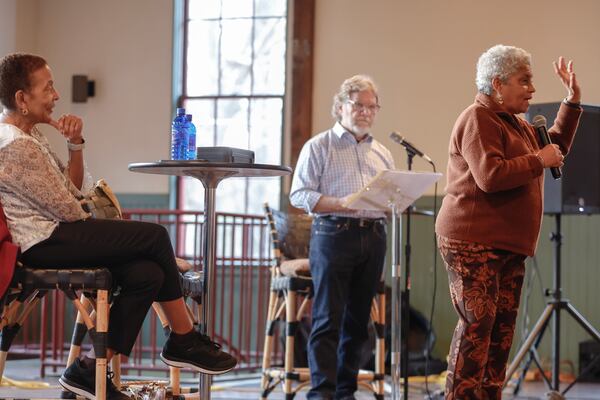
539,123
409,146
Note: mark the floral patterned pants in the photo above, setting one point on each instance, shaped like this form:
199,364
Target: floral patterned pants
485,288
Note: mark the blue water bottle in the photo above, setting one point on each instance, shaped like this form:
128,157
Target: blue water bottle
191,131
179,136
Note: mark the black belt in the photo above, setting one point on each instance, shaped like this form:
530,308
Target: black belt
354,222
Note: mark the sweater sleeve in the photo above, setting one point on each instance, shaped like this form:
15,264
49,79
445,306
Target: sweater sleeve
483,144
26,172
565,125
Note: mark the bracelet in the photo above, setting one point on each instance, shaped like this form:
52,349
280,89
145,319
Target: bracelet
76,147
570,103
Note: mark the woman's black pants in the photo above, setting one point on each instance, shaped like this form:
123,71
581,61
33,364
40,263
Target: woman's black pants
139,256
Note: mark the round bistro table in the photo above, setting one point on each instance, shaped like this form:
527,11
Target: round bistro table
210,174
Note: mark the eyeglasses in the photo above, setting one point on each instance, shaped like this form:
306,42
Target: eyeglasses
356,106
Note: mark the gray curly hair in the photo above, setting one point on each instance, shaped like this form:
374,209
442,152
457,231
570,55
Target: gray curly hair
356,83
499,61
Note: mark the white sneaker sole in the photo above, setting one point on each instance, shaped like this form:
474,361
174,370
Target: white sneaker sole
182,364
76,389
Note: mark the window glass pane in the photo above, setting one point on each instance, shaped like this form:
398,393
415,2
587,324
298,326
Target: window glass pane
270,8
193,195
236,48
266,119
203,116
269,56
232,123
202,58
266,122
236,54
237,8
204,9
231,195
261,190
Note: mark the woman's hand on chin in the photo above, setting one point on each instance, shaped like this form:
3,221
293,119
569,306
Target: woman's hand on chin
70,126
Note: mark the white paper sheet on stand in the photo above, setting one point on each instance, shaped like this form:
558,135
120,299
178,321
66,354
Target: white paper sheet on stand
392,187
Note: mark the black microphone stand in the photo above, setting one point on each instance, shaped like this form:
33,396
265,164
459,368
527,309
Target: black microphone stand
405,304
554,305
401,299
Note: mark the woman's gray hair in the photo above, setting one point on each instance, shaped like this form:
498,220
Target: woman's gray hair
499,61
356,83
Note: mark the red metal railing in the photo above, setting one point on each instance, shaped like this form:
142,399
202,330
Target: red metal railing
240,292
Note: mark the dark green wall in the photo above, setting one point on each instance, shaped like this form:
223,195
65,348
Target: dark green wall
154,201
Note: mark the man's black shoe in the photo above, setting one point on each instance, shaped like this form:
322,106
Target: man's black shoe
82,381
198,352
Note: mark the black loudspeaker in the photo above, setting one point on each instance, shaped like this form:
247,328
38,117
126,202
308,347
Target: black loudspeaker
578,191
588,351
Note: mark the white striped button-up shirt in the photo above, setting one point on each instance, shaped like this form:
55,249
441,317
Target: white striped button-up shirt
333,163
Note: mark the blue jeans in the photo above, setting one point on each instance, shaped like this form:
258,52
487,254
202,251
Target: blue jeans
346,262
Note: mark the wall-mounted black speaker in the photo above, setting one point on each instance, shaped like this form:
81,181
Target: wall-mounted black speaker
82,88
578,191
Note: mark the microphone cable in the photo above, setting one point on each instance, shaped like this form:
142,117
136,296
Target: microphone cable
428,339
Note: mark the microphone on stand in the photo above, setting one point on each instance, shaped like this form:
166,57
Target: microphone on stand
539,123
409,146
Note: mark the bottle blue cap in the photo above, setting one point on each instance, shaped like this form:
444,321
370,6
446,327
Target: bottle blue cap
180,111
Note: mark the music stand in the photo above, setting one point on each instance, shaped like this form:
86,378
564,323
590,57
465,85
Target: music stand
396,191
554,305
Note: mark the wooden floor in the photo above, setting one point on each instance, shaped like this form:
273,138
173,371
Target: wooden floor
247,386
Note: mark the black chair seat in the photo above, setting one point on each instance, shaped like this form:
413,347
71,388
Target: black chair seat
294,283
26,278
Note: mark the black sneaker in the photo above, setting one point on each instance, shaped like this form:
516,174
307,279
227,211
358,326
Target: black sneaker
82,381
199,353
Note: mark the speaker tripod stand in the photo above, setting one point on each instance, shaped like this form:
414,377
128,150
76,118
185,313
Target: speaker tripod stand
555,304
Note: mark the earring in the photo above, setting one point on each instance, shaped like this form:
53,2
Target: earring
24,111
500,99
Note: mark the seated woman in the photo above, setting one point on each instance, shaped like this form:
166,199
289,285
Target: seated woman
40,199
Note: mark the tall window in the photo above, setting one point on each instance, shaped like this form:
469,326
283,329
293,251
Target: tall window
233,85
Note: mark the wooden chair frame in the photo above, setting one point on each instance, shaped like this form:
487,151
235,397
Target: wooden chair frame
191,283
30,285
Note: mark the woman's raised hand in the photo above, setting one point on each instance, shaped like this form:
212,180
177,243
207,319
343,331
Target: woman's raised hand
569,80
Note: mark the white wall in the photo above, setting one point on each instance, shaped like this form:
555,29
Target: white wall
423,55
8,22
125,46
17,25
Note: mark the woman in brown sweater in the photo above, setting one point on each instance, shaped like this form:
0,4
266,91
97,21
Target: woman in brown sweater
490,218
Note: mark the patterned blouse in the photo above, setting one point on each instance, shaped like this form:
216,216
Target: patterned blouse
35,190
